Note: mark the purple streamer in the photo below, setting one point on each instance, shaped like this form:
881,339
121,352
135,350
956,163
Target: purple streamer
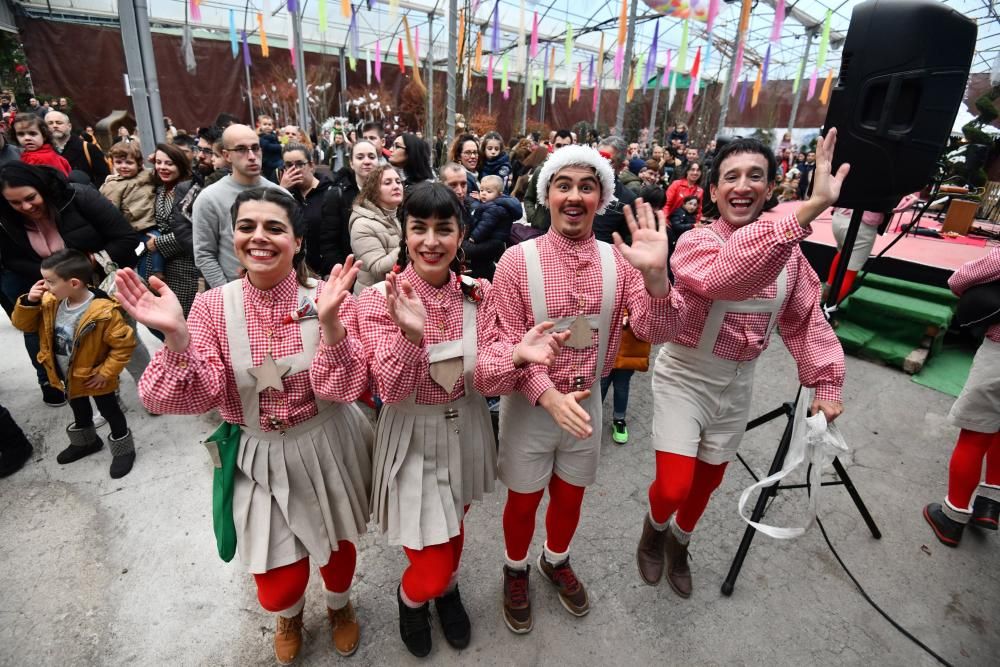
651,61
246,48
355,37
292,6
743,95
370,3
590,72
767,61
495,46
545,67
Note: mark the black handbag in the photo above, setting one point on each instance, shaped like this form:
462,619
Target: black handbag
979,306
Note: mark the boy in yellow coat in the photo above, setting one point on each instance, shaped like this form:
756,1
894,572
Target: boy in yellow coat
85,344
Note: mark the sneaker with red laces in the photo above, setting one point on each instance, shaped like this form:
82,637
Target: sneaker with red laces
516,600
572,594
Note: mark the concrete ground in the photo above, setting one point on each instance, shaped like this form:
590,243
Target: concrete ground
95,571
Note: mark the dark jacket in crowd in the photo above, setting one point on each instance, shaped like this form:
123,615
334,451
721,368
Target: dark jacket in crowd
312,211
9,153
498,166
805,178
270,156
613,218
86,220
481,256
335,234
680,222
77,156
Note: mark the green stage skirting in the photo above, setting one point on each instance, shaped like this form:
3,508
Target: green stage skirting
947,370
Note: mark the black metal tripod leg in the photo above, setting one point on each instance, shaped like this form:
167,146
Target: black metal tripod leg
856,497
759,508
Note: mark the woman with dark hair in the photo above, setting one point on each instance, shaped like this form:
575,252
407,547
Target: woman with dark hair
40,213
374,225
435,452
277,354
412,157
685,186
465,151
338,203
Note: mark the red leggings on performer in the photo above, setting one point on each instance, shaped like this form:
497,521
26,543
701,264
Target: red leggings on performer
683,484
561,519
432,568
282,587
849,276
966,465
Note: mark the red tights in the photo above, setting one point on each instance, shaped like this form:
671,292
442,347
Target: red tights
282,587
966,465
684,485
845,287
432,568
561,518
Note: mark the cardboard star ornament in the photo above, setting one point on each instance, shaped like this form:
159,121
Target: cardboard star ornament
269,374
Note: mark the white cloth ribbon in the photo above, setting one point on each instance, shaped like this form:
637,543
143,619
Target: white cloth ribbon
814,442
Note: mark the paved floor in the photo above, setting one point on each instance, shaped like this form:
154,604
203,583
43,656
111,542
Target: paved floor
95,571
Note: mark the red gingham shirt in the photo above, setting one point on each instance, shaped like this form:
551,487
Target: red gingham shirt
983,270
202,378
572,273
399,366
747,266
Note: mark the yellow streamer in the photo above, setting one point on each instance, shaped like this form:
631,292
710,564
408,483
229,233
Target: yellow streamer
745,15
345,8
263,36
600,59
623,23
631,86
478,65
461,36
824,96
552,63
756,90
413,55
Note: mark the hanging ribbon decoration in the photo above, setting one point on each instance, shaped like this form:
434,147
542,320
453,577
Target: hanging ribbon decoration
579,79
824,96
478,63
779,20
767,61
264,51
196,10
321,13
504,85
233,38
345,8
651,61
291,42
495,44
672,90
630,92
461,36
292,6
622,33
824,41
246,48
682,53
368,65
489,76
393,9
416,43
743,95
756,89
668,68
590,72
520,60
533,49
695,79
552,64
413,53
812,84
399,56
378,60
355,35
713,11
568,44
737,67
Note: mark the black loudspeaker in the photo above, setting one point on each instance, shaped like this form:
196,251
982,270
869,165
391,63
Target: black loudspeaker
902,77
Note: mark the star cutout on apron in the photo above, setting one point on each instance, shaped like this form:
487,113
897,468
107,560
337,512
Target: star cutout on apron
269,374
446,372
580,337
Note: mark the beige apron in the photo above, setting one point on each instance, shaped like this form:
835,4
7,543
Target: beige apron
701,402
532,445
978,406
299,491
433,460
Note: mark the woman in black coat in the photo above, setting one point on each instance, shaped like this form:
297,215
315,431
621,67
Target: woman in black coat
335,234
39,211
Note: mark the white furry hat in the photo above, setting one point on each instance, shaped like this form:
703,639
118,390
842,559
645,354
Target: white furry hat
573,156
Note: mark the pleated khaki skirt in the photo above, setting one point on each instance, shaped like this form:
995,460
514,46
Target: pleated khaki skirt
430,462
299,492
978,406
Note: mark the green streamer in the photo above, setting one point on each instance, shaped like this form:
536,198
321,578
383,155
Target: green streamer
569,43
503,77
825,41
682,54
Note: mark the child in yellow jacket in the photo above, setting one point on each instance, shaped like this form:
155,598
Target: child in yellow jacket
85,344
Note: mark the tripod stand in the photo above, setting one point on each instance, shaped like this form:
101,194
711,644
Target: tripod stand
788,410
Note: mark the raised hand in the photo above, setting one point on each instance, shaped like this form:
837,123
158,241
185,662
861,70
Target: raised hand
567,412
650,249
336,290
405,307
538,346
163,313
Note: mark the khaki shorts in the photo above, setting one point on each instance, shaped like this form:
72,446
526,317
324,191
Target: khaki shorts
532,446
700,405
978,406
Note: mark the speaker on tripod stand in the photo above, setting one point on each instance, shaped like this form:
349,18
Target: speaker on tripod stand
894,104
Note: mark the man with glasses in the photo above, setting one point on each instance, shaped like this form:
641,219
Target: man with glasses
213,228
203,165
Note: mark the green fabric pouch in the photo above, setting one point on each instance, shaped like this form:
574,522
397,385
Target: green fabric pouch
223,446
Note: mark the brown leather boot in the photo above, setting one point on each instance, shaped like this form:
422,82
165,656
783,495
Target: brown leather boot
288,639
678,572
649,555
346,631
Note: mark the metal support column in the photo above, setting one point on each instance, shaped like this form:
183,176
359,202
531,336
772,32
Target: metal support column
627,68
452,66
656,104
344,102
733,74
144,86
305,122
250,122
429,126
524,93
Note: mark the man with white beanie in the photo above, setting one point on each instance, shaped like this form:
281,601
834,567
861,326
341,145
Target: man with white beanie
550,419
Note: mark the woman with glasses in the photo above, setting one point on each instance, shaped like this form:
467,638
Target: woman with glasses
465,151
375,231
412,158
309,189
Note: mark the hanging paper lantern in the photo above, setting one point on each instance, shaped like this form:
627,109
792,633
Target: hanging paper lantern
683,9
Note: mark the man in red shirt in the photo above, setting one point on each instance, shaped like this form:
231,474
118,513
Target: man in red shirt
739,278
550,418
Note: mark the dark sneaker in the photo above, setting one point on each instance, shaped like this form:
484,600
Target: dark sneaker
414,627
678,571
14,458
516,600
619,431
454,621
947,530
52,396
572,594
985,512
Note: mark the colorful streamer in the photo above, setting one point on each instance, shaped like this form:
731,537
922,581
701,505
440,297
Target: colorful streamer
767,61
292,6
745,16
246,48
597,96
413,53
504,85
812,83
713,12
756,89
533,49
368,65
461,35
579,79
393,9
682,53
495,44
669,68
743,95
590,72
552,63
196,10
651,61
672,90
378,60
478,62
399,56
695,79
568,44
779,20
489,76
345,7
264,51
824,41
354,33
233,38
631,85
738,66
291,42
824,96
416,42
321,13
622,33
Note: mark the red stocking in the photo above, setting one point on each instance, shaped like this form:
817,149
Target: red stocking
519,522
993,462
429,572
707,479
674,475
966,466
282,587
849,276
563,513
339,571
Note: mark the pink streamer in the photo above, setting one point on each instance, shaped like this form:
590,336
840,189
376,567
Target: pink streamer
195,11
738,67
489,76
689,102
713,11
597,94
533,49
619,60
812,83
779,19
378,60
